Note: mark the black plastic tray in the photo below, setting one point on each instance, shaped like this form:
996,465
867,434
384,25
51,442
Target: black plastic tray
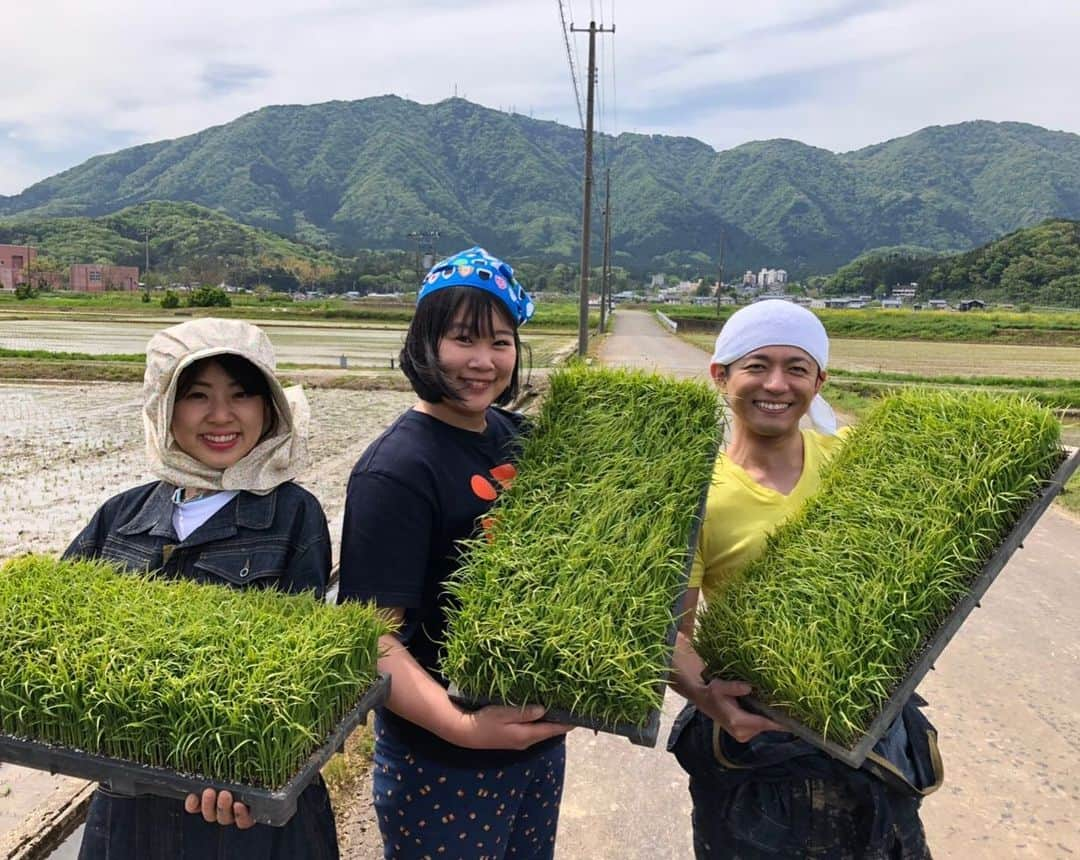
1013,541
643,735
124,777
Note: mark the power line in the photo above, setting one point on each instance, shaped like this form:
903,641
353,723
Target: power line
570,60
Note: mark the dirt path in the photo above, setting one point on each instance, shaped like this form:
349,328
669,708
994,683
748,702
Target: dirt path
1005,697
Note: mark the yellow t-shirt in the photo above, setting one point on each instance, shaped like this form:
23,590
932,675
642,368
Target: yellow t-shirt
740,513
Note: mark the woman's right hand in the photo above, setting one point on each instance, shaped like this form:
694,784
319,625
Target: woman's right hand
720,702
505,727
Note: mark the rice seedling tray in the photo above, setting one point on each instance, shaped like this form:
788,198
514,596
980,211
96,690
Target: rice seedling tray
274,807
1014,540
642,735
585,624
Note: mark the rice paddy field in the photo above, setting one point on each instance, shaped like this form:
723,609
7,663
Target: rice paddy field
926,358
66,448
321,344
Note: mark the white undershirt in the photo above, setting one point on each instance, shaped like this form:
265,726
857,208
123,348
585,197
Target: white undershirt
188,516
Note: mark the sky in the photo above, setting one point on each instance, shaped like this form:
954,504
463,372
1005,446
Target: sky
81,79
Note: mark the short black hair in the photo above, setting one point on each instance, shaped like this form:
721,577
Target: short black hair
432,320
241,371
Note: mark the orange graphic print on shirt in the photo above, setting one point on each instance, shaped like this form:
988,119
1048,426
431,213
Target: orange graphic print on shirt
482,488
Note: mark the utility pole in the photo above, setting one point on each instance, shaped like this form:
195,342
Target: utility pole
424,239
586,208
605,283
720,281
146,235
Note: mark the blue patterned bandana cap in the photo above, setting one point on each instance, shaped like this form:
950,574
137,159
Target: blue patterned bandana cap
475,267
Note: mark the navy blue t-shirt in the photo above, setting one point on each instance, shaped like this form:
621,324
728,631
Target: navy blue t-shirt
419,489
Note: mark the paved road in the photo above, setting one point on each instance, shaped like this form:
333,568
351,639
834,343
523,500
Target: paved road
1005,697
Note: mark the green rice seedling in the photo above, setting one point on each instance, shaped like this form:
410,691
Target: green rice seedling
568,600
851,590
232,686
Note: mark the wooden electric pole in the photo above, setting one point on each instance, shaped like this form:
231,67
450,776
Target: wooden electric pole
720,281
605,270
586,208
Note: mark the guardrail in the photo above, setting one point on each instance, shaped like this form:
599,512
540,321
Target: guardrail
667,322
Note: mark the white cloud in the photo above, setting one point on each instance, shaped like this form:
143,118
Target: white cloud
835,73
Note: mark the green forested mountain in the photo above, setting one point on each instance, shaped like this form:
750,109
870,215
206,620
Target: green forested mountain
363,174
1039,265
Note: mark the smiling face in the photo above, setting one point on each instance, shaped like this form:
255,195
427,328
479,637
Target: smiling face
770,389
215,420
478,365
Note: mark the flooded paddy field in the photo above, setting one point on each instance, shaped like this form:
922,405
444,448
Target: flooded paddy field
943,358
300,343
960,359
66,448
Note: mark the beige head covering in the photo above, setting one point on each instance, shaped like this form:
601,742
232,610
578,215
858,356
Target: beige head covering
277,458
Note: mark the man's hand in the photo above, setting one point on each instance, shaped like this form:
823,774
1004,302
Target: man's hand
721,703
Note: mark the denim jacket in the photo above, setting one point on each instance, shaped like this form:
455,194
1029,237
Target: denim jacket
278,540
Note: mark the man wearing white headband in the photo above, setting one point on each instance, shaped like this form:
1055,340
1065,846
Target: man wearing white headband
758,791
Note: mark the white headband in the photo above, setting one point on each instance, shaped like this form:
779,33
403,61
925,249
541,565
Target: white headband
775,322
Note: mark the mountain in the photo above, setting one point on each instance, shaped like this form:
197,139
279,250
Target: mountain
364,174
1036,265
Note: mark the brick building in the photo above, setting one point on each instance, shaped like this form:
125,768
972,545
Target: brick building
13,260
92,278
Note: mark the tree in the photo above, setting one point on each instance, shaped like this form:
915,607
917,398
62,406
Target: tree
209,297
25,291
170,300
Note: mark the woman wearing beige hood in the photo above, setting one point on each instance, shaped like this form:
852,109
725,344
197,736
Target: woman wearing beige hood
226,441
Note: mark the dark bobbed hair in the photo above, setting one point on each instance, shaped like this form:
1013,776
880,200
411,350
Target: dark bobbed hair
251,380
434,315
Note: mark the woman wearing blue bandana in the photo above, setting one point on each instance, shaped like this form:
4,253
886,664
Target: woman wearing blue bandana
448,782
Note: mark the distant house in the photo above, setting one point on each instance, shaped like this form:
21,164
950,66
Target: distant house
14,259
92,278
905,293
971,305
848,303
894,304
937,304
766,296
